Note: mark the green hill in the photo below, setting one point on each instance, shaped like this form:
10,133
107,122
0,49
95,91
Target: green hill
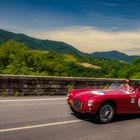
23,55
16,58
60,47
131,70
39,44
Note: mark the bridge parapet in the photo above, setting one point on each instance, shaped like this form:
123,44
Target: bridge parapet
43,85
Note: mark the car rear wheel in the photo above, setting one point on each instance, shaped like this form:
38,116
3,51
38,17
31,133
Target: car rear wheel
105,113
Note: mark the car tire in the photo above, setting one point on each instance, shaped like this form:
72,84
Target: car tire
106,113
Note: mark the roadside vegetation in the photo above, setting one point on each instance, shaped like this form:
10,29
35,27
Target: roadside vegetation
18,59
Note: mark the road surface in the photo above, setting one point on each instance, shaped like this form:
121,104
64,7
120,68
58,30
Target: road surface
49,118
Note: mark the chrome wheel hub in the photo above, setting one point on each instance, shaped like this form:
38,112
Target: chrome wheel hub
106,112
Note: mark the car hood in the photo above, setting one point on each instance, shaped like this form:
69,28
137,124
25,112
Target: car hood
92,93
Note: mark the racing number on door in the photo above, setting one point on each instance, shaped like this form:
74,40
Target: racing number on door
139,101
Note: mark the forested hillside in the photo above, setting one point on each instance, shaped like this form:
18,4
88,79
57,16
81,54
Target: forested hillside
61,47
39,44
16,58
131,70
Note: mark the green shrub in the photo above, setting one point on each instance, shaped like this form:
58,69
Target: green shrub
5,93
70,87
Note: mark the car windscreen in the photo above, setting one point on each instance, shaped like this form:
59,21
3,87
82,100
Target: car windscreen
122,87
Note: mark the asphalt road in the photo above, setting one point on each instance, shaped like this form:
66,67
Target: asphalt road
49,118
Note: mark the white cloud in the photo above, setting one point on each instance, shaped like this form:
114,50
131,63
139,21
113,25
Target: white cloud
108,4
36,20
89,39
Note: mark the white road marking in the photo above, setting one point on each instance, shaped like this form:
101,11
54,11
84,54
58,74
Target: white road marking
39,126
26,100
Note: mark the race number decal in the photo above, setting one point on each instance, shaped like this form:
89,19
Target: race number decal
97,92
132,100
139,101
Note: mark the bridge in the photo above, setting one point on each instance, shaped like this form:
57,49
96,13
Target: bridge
43,85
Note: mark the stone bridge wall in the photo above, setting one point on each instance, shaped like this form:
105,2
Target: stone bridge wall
36,85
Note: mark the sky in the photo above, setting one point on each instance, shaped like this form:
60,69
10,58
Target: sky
88,25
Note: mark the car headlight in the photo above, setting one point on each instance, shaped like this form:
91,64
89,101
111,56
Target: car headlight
90,103
68,95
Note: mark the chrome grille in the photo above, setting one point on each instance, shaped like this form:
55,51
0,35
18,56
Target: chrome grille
77,104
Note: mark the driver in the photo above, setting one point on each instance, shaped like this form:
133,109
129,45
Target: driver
129,88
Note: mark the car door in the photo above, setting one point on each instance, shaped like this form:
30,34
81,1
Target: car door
138,101
128,103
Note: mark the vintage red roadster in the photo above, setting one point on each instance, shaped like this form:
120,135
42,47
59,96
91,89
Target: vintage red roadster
105,103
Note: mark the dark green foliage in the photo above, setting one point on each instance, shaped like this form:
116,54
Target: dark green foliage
16,58
130,70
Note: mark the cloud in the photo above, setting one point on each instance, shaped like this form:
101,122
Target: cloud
108,4
36,20
89,39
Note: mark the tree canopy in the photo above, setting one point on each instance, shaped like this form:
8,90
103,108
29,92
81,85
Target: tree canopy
18,59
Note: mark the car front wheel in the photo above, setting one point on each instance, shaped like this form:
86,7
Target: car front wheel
105,113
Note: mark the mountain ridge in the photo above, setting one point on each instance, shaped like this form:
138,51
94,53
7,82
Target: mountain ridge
61,47
115,55
19,59
38,44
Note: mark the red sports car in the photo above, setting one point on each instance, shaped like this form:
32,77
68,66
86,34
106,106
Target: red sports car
105,103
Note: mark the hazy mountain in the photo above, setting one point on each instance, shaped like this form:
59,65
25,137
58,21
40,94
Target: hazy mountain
39,44
115,55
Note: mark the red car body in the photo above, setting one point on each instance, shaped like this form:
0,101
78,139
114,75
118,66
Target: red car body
104,104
